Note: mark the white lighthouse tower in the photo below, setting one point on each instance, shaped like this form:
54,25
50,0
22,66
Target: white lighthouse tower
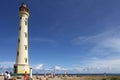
22,65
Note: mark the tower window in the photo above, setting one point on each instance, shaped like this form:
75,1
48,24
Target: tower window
18,40
25,47
19,28
25,60
17,53
20,17
26,21
25,34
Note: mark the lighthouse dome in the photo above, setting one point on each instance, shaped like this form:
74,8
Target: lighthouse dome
23,7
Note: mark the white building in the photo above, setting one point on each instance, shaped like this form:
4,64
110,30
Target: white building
22,64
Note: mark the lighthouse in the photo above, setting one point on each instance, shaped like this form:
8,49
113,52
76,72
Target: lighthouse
21,66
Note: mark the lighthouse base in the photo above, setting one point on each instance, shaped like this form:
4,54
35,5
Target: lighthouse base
21,68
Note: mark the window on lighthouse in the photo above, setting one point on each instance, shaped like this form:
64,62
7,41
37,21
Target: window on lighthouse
25,34
19,28
18,40
20,17
26,21
17,53
25,47
25,60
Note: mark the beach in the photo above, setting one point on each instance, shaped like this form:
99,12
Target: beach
33,78
69,78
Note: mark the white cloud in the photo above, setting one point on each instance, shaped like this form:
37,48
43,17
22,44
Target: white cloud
104,43
90,39
94,65
58,68
104,48
107,47
6,64
112,43
108,65
38,67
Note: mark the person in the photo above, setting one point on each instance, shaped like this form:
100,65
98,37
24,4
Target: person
36,75
7,76
25,76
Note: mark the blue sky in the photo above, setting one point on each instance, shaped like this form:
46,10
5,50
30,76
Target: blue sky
77,36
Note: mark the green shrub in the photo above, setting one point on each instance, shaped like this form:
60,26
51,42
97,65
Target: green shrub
103,79
19,77
114,78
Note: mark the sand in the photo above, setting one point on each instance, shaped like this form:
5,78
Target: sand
74,78
93,78
34,78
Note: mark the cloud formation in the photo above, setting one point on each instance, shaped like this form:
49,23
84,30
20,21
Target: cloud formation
38,67
58,68
103,51
91,66
6,66
107,42
99,65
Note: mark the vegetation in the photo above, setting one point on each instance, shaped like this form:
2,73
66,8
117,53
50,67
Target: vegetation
115,78
92,78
